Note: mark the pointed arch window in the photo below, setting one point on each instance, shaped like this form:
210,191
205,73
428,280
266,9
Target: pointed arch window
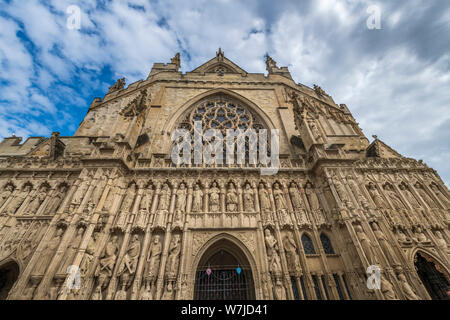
326,244
308,245
223,112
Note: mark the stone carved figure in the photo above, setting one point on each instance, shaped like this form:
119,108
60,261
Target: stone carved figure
109,257
89,254
407,289
409,197
366,245
387,289
272,253
341,191
71,251
81,192
38,199
316,135
420,236
214,198
314,204
127,206
197,199
56,201
17,201
424,195
298,206
280,203
180,203
442,244
249,199
173,262
440,196
376,196
291,253
385,245
173,259
127,267
154,260
264,200
232,198
5,194
47,253
163,206
99,188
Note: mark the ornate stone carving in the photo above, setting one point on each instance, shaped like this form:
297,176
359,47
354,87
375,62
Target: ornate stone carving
292,257
197,200
47,253
214,198
408,291
249,198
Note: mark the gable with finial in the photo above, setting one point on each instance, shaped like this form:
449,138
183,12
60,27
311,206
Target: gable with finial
220,65
52,148
378,149
136,106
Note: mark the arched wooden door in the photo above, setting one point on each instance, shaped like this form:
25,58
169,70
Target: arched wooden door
436,283
8,276
224,274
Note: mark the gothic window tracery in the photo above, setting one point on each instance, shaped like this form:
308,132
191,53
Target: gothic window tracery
222,112
308,245
326,244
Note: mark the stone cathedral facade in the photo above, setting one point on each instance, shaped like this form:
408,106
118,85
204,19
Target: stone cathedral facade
106,215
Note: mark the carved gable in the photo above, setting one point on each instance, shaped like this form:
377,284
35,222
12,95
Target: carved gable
379,149
219,65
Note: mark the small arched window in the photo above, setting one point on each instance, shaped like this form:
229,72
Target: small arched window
326,244
308,245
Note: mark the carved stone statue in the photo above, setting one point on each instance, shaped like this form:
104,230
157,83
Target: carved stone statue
180,203
214,198
89,254
280,203
377,198
314,204
71,251
409,197
366,245
298,205
17,201
47,253
232,198
292,257
407,289
249,199
387,289
127,267
197,199
38,198
442,244
81,192
56,201
174,256
99,188
440,196
5,194
163,206
424,195
385,245
154,259
316,135
420,236
109,258
272,253
264,200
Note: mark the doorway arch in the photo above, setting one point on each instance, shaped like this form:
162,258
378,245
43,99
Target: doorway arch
224,273
9,273
434,277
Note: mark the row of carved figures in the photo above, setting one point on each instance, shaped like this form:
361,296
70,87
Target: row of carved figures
29,201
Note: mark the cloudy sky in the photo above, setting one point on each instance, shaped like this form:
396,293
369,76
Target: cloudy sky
396,80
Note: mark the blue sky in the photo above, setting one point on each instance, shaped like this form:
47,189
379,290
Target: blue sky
395,80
